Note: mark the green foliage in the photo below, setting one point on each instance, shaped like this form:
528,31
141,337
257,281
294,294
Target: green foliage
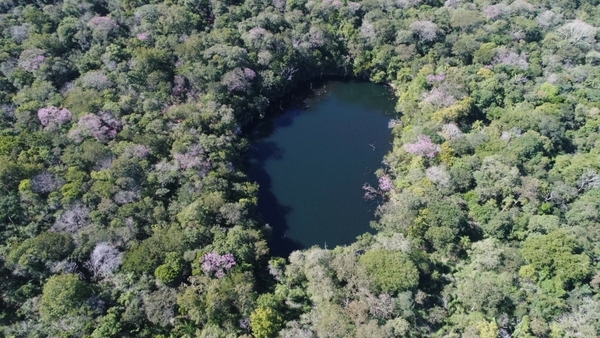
391,271
499,232
170,270
63,295
265,322
141,258
553,257
455,112
147,255
109,325
46,247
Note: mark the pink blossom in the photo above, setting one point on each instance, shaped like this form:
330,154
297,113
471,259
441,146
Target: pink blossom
315,37
212,262
102,26
235,80
142,36
124,197
439,97
495,11
138,150
102,127
31,59
178,85
385,183
257,32
509,58
249,73
407,3
451,3
193,158
433,79
334,3
53,116
279,4
102,23
354,6
451,131
423,147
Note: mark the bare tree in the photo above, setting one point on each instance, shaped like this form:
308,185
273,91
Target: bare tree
426,30
578,33
44,182
588,180
104,260
72,219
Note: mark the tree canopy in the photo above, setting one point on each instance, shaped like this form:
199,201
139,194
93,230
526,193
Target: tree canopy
125,209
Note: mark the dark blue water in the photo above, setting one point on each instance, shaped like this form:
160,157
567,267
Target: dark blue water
313,161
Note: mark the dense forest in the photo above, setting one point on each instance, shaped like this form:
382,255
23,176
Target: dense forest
125,210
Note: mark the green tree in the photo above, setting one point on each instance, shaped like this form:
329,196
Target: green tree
554,256
109,325
35,252
265,322
63,295
171,269
392,271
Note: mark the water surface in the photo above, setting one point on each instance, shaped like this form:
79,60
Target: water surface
312,161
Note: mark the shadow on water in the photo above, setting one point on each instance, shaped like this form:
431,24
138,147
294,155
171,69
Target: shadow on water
270,211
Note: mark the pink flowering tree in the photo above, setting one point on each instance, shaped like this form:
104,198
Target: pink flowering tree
259,38
506,57
102,27
434,79
218,265
103,127
354,6
439,97
496,11
238,79
54,117
249,74
31,59
423,147
333,3
138,150
179,87
193,158
385,183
